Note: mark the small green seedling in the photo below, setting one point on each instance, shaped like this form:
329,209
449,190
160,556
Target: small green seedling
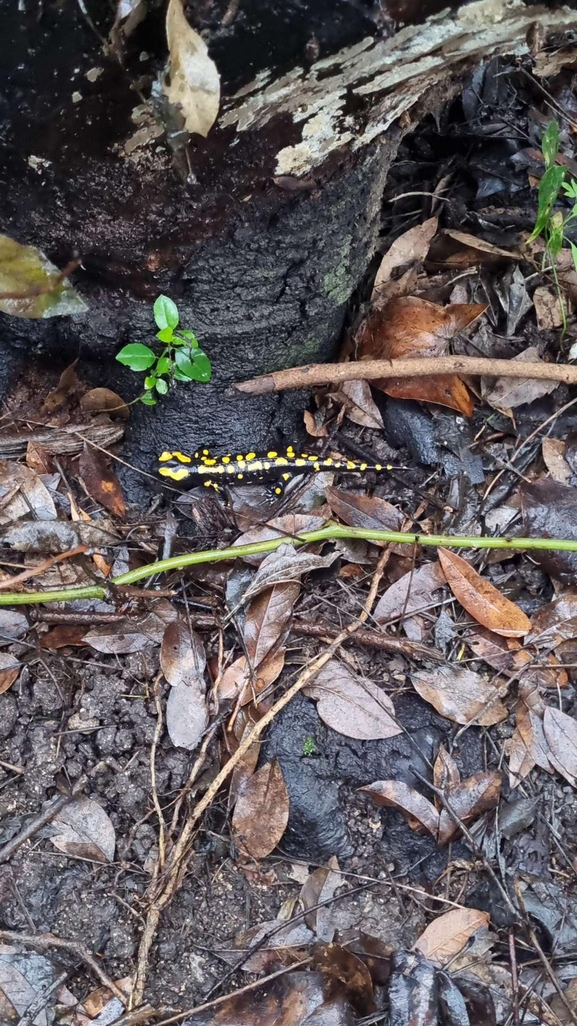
551,223
309,746
182,359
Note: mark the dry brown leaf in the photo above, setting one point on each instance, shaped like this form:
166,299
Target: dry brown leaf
547,309
352,705
288,526
267,619
411,247
561,736
471,798
420,812
194,79
555,622
460,695
83,829
495,650
505,394
63,636
445,770
246,766
238,681
360,510
554,450
360,407
447,935
182,655
39,459
286,564
131,634
409,327
481,600
261,812
413,592
104,400
320,886
460,249
9,669
101,482
22,493
527,747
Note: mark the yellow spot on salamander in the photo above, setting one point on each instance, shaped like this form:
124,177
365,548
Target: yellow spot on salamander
328,462
256,465
278,491
208,484
317,466
240,476
164,456
290,452
196,455
351,465
389,466
272,455
250,455
209,463
363,466
312,458
286,477
205,452
240,459
378,466
301,463
226,459
174,475
280,461
266,465
182,458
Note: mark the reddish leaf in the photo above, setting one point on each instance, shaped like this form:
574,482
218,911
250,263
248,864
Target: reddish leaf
447,935
351,705
461,695
561,736
63,636
360,510
481,600
237,679
9,669
261,812
419,811
409,327
101,482
478,794
103,400
267,619
246,766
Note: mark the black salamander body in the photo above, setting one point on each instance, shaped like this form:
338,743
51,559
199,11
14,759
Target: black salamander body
272,468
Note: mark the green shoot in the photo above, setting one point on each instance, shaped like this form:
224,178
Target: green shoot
181,359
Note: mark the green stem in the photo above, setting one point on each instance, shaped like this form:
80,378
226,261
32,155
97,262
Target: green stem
328,533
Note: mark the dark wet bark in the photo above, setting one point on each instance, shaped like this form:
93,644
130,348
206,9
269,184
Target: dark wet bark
260,242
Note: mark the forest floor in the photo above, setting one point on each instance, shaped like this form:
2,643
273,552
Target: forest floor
204,783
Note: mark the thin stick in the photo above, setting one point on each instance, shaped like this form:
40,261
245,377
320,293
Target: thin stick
315,374
178,859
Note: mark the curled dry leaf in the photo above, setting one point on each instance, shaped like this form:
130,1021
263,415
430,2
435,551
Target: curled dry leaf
445,770
63,636
194,79
22,493
360,407
359,510
411,247
286,564
104,400
238,681
481,600
408,327
460,249
352,705
267,619
561,736
82,828
461,695
413,592
183,663
101,482
447,935
419,811
471,798
261,812
9,669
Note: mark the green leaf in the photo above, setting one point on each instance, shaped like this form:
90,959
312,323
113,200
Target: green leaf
148,399
184,365
570,188
202,367
165,313
27,275
163,365
162,386
550,143
190,337
555,234
179,375
548,192
166,335
136,356
150,381
574,253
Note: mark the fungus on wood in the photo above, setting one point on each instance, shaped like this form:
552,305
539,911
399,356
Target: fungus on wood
261,231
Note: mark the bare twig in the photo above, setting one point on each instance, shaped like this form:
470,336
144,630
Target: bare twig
411,649
315,374
41,1001
33,571
180,854
48,941
41,290
41,820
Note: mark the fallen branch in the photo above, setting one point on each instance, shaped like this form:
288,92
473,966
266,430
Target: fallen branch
328,533
315,374
48,941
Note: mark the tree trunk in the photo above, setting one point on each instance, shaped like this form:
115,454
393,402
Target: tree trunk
261,232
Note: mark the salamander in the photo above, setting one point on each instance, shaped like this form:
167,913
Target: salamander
272,468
